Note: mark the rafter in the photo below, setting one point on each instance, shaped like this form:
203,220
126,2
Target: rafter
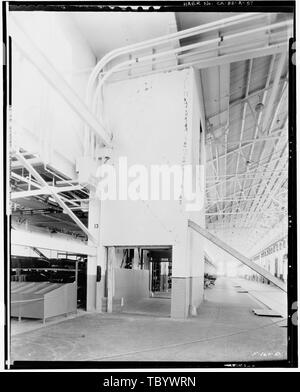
43,191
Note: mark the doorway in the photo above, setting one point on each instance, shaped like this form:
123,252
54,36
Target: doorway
142,280
161,272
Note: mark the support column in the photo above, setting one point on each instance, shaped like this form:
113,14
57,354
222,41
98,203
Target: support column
188,253
187,277
95,289
111,256
196,244
136,259
196,267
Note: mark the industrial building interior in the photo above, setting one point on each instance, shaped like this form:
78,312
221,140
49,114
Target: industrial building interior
95,280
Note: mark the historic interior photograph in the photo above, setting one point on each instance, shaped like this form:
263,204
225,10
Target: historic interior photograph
148,158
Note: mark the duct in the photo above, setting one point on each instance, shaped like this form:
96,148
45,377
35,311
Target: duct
204,63
166,39
88,139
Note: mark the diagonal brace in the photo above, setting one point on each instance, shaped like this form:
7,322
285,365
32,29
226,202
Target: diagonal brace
237,255
58,199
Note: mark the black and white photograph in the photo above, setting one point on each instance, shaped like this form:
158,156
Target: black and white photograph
149,186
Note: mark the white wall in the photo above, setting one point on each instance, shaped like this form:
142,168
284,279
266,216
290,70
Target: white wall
43,121
151,124
131,284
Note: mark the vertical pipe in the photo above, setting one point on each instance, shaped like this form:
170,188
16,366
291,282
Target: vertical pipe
111,255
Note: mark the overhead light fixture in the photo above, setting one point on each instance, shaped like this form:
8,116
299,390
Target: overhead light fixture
209,137
259,107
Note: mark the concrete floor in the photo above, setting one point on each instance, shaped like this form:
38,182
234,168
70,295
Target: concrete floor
269,295
160,307
157,305
162,294
225,330
26,324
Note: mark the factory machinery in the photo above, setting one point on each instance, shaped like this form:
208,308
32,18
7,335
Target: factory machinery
210,272
42,288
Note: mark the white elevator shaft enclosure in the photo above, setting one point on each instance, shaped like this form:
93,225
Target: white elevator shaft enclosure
148,130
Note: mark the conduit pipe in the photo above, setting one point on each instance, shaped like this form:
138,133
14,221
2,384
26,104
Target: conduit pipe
166,39
126,64
278,48
216,41
89,137
138,65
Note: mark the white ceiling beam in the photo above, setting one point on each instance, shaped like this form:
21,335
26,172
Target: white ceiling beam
209,27
203,63
229,200
252,213
246,188
224,40
43,191
240,101
57,198
200,94
239,213
239,56
269,189
224,94
172,28
259,116
32,183
236,179
214,165
51,242
282,159
260,139
241,175
240,199
223,213
250,143
234,151
262,164
274,92
26,180
15,165
274,117
53,218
